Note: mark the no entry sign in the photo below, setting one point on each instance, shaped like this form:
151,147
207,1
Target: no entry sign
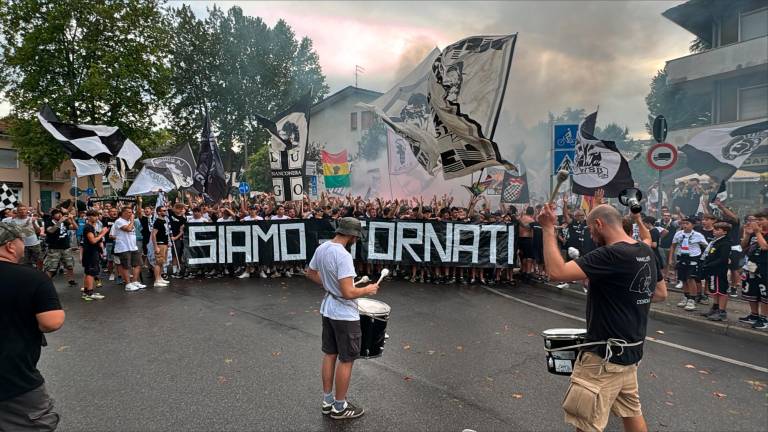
662,156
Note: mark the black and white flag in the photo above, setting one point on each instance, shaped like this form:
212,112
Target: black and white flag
288,147
209,177
466,90
719,152
598,164
93,149
7,198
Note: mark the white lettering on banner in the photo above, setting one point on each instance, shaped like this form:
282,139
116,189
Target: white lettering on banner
404,242
510,244
474,247
302,254
493,229
265,237
194,242
431,239
231,229
222,244
389,254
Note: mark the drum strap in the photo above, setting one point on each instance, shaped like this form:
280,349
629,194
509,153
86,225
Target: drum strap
609,344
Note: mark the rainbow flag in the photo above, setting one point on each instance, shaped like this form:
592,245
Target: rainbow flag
335,169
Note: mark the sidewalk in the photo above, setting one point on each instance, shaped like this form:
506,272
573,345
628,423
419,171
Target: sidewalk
669,312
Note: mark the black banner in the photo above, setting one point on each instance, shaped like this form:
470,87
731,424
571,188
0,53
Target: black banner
428,243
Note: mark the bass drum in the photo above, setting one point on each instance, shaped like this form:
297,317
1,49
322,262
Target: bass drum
374,316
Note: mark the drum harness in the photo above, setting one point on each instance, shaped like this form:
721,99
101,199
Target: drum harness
609,344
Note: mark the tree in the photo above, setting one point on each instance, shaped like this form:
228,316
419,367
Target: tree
373,142
680,109
259,178
92,62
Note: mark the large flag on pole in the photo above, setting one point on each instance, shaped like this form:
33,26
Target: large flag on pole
93,149
288,148
7,198
165,173
209,177
466,88
401,159
515,187
598,164
335,169
719,152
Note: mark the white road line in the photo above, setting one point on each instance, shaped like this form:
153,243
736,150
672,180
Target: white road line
650,339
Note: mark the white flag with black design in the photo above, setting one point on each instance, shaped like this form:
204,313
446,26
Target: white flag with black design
93,149
466,88
598,164
719,152
7,198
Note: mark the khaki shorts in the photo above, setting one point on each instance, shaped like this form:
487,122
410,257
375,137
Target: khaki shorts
597,390
56,257
162,256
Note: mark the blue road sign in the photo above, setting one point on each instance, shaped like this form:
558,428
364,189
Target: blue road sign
313,186
565,136
244,188
562,160
90,192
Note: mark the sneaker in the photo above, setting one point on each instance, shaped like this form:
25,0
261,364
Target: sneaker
72,283
709,312
275,275
719,316
733,292
452,280
131,287
140,285
161,283
99,284
349,412
749,319
244,275
262,274
563,285
703,300
483,281
97,296
176,276
112,277
760,324
683,302
327,407
288,273
690,305
679,285
86,297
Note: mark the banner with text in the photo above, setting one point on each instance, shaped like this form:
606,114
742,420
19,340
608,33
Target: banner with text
387,242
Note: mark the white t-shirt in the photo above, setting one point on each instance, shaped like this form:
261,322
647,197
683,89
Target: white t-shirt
203,219
334,262
249,218
283,217
226,219
689,243
29,229
124,241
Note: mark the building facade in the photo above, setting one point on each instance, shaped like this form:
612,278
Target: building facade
50,188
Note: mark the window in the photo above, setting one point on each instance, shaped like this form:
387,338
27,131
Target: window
754,24
729,29
366,119
728,101
9,158
353,121
753,102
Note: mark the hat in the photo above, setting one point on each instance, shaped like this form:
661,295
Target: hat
9,233
350,226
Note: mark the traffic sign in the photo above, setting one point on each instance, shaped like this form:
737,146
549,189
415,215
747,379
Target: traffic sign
90,192
75,191
563,160
659,128
244,188
662,156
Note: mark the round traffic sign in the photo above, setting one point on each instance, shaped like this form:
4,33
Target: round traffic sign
244,188
90,191
662,156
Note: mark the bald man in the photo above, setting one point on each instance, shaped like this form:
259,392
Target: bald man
624,278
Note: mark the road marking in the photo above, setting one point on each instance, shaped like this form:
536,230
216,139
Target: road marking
648,338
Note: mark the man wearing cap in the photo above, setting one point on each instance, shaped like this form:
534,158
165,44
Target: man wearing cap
332,267
29,307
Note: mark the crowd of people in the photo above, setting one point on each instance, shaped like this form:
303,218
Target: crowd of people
115,240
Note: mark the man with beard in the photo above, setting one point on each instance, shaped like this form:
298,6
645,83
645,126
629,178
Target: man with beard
624,278
333,268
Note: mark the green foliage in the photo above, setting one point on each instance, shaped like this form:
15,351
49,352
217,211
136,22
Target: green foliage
92,62
373,142
37,149
258,173
680,109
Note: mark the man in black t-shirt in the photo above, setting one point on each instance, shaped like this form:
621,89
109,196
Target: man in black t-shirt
29,307
177,221
57,240
624,278
93,244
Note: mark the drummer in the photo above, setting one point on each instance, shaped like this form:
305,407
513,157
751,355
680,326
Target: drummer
624,279
332,267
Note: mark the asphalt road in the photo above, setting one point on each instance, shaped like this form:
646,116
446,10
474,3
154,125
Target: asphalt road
245,355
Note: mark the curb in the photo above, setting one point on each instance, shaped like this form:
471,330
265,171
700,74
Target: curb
729,329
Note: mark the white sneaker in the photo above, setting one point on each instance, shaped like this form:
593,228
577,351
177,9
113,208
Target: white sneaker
691,305
160,283
112,277
139,284
288,273
244,275
262,274
563,285
679,285
131,287
683,302
97,296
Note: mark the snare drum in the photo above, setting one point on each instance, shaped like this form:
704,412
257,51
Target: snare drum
561,362
373,324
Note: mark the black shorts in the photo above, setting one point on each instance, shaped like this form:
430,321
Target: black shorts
342,338
754,288
91,265
717,284
526,247
687,267
736,260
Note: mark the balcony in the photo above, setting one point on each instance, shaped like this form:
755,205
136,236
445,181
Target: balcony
719,61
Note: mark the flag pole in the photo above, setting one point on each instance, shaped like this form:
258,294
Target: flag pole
389,168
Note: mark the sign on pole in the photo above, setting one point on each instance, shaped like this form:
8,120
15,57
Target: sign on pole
659,128
563,146
662,156
244,188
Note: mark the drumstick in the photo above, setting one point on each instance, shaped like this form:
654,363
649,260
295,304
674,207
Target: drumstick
362,280
384,273
562,176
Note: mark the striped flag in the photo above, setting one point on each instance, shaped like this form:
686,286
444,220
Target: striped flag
335,169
